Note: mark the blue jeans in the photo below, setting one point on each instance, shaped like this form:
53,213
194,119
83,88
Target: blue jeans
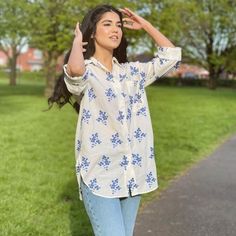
110,216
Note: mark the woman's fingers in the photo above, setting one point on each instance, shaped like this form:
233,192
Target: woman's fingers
128,21
84,44
128,12
77,28
125,12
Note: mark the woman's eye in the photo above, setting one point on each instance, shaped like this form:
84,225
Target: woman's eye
107,24
119,26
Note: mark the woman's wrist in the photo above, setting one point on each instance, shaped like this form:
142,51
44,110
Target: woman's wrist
77,42
147,26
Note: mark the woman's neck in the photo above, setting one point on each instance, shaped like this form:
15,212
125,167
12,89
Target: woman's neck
104,57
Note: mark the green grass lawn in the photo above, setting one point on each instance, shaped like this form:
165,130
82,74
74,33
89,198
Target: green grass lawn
38,188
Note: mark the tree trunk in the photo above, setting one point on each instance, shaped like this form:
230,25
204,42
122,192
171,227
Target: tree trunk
212,83
12,65
213,76
50,72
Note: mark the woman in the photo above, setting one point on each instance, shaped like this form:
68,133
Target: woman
115,161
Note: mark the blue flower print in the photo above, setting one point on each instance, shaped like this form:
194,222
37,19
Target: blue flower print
133,70
123,94
85,77
124,162
152,153
93,184
143,75
122,77
162,61
139,135
78,145
121,117
95,140
129,114
86,115
137,98
115,186
91,74
176,66
161,49
102,117
131,184
131,100
110,94
150,179
129,139
78,169
142,111
142,81
105,162
84,163
136,159
109,76
135,83
115,140
91,94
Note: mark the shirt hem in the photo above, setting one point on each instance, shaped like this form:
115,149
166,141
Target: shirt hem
79,177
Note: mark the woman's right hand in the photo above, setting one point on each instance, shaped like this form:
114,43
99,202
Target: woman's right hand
79,36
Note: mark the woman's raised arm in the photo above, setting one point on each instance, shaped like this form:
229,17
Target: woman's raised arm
76,66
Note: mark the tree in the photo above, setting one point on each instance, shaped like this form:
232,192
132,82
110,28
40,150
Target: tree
14,32
205,29
53,27
51,33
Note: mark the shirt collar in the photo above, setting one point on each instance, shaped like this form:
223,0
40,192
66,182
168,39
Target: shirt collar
94,61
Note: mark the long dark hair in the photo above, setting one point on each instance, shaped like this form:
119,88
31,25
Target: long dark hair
61,95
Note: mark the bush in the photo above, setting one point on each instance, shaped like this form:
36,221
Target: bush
175,81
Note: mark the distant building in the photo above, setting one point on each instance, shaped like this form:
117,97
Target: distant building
3,59
184,71
31,60
190,71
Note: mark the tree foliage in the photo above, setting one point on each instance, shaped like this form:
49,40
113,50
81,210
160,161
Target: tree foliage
53,29
14,31
205,29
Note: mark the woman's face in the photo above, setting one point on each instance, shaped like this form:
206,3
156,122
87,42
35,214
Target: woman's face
108,32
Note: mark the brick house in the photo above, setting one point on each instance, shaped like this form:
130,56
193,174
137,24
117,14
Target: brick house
31,60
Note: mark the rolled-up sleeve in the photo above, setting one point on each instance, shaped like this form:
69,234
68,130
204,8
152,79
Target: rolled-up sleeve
166,60
76,85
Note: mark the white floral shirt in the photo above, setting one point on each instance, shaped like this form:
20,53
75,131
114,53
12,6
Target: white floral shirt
114,138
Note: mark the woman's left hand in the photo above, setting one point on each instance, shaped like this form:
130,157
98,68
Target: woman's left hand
132,20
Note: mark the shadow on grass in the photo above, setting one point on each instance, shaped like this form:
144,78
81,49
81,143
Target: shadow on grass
79,221
22,89
12,97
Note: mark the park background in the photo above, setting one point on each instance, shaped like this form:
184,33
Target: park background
191,116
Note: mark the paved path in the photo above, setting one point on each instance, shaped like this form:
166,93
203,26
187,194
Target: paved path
200,203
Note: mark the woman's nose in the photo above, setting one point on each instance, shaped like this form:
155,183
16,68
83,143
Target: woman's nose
115,28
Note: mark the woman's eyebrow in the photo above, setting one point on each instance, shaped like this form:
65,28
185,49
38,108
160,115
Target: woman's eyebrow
110,21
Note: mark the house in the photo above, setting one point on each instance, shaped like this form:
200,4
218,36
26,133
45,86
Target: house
31,60
186,71
3,59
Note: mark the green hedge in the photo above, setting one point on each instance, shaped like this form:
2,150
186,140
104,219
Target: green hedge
174,81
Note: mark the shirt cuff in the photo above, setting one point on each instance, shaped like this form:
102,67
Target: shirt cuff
65,71
170,53
84,76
